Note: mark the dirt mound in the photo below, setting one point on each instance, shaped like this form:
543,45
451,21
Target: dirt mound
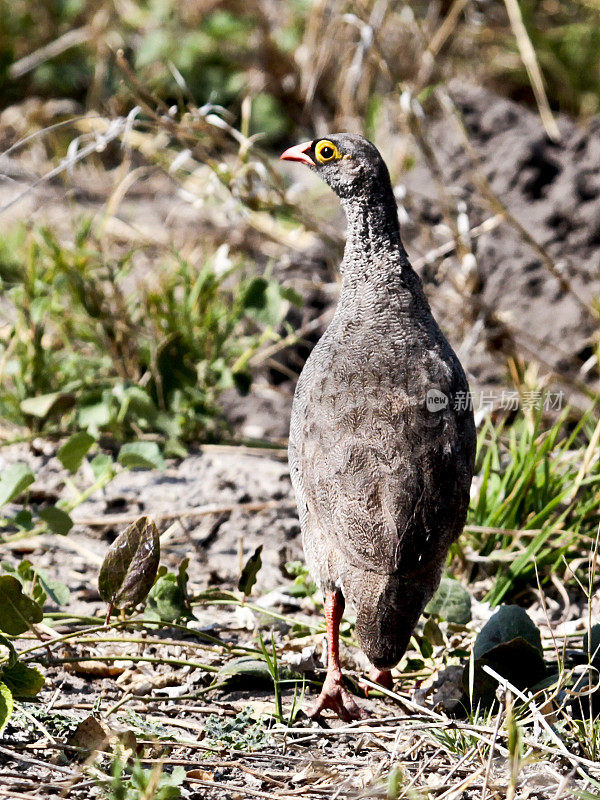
553,191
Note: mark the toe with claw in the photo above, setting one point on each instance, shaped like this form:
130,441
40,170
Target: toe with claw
337,698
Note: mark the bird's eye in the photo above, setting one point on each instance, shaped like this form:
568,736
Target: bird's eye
326,151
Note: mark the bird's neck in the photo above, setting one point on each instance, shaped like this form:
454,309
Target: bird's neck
373,250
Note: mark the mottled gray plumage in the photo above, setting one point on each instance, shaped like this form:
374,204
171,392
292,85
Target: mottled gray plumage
382,482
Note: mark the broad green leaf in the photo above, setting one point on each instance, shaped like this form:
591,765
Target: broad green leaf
12,653
74,450
22,680
507,624
247,670
56,591
137,401
6,705
129,568
96,415
264,301
14,481
38,594
250,571
432,633
291,295
17,611
101,464
166,601
511,644
43,404
23,519
57,520
146,455
451,602
25,570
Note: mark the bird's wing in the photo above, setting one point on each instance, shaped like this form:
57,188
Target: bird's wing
378,478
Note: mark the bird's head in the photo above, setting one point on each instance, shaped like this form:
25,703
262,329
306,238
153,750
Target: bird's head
348,163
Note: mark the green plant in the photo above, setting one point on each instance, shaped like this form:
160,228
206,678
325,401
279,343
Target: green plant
168,599
242,732
303,585
531,480
136,783
28,519
82,352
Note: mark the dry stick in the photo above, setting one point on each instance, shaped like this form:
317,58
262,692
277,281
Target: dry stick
112,133
530,702
20,795
530,63
244,790
464,784
416,128
69,39
290,339
437,42
189,139
31,760
200,511
490,759
448,247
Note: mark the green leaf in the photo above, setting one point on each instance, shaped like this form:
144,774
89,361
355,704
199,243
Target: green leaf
263,300
248,671
129,568
23,519
432,633
511,644
291,295
17,611
22,680
14,481
250,571
43,404
167,600
56,591
101,464
146,455
12,653
57,520
74,450
451,602
95,415
6,705
506,625
38,594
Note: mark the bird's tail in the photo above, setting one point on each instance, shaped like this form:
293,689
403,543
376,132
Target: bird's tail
387,609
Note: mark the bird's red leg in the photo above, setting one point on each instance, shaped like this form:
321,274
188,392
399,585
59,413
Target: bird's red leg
334,694
381,676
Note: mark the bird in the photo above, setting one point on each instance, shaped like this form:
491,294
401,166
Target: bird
382,436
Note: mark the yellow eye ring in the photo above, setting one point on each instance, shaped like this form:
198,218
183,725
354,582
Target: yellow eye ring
326,151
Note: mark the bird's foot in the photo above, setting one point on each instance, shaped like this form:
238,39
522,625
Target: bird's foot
337,698
381,676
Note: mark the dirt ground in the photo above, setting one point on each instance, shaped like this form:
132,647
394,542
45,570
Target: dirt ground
220,503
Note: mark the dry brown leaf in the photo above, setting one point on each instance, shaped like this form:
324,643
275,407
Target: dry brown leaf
140,684
201,774
98,669
94,734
